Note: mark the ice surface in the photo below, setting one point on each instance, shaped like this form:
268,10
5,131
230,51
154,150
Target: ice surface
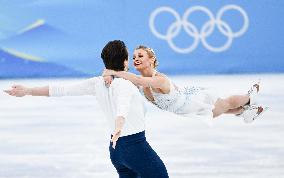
68,137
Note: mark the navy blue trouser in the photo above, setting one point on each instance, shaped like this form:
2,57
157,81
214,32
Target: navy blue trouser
133,157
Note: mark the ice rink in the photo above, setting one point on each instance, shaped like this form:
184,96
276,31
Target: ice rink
68,137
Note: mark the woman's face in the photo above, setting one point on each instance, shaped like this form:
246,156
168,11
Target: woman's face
141,60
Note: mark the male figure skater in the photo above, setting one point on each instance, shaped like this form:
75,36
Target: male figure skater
130,153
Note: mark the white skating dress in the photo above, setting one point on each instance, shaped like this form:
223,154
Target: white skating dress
195,102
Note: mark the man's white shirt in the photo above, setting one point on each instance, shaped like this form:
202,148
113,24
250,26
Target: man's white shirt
121,98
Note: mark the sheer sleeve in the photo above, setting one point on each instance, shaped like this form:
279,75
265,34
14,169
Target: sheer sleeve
86,87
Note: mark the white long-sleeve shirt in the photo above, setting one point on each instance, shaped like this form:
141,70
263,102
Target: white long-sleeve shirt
122,98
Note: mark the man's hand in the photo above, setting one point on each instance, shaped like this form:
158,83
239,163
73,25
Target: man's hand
18,91
119,122
115,137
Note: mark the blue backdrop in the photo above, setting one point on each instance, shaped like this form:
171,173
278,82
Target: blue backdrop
59,38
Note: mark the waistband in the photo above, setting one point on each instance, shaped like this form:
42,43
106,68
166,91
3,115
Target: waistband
131,138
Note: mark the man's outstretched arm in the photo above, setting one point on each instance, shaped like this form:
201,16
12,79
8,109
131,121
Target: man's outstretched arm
20,91
85,87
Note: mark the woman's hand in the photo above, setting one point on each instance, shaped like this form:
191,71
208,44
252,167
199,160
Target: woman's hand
108,79
108,76
18,91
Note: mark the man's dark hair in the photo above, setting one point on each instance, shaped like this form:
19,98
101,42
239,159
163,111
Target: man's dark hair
114,54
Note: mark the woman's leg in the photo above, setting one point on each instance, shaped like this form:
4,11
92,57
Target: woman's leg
231,104
238,110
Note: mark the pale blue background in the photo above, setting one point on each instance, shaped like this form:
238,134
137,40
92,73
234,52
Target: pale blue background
74,32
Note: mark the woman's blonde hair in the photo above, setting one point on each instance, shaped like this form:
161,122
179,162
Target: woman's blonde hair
150,53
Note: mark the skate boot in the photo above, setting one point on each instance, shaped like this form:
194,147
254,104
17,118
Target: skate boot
252,112
253,92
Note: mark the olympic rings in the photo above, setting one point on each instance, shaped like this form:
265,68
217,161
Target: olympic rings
192,31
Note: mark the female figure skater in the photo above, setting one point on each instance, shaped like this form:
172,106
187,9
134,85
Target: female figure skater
130,153
188,101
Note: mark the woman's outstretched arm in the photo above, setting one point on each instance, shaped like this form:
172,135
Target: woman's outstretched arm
155,81
20,91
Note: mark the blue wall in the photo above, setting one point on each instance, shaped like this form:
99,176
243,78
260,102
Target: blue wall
51,38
